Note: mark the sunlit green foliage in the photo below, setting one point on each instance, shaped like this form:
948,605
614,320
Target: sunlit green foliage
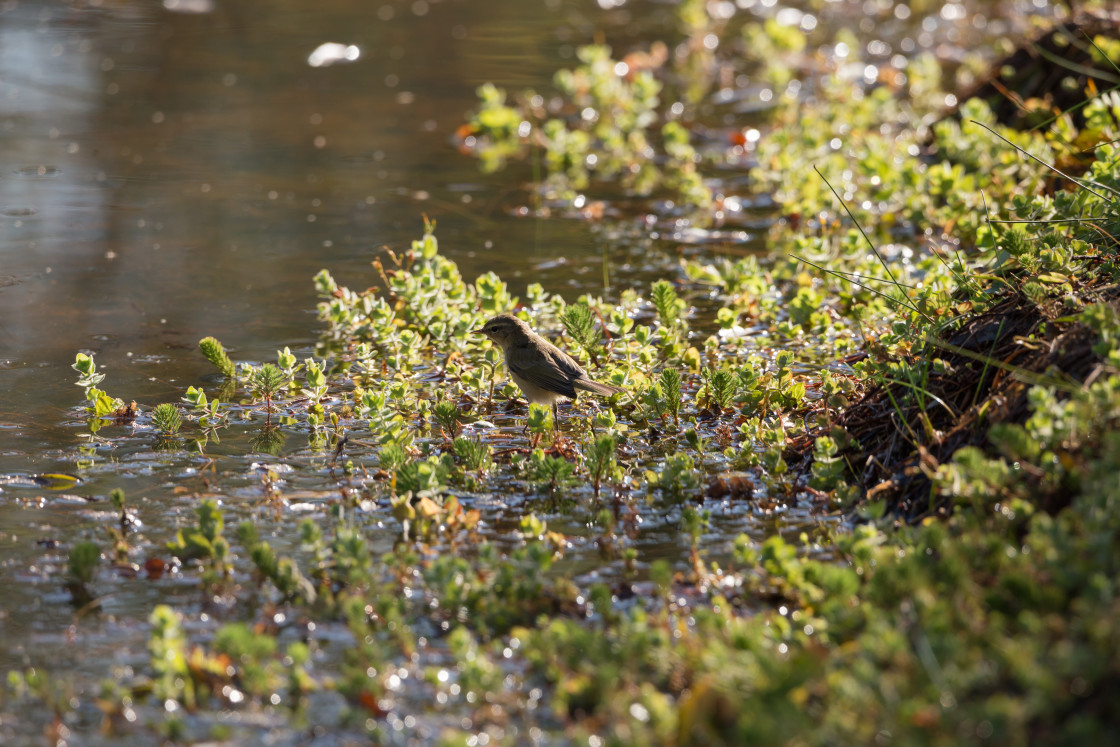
167,645
206,544
613,126
209,412
167,419
424,476
580,325
720,387
213,351
668,304
601,463
476,455
550,472
678,480
266,382
283,573
539,420
100,405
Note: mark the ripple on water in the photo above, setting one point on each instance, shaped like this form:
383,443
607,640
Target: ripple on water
38,172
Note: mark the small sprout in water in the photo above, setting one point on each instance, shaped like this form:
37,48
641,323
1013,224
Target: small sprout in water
195,397
552,472
100,403
678,479
827,467
286,361
721,387
666,394
532,526
265,382
539,421
119,534
606,419
669,306
447,415
600,460
475,455
314,373
167,419
579,323
661,573
424,477
694,522
84,559
216,354
392,456
85,366
167,644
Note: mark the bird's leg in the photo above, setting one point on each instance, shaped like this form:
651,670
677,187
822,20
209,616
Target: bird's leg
555,418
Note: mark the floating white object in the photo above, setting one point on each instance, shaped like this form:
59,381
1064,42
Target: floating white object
331,52
189,6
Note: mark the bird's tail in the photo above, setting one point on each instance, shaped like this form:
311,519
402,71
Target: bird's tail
595,387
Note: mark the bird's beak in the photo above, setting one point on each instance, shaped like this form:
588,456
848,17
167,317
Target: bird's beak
477,332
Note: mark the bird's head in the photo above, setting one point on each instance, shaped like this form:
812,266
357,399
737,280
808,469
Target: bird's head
504,329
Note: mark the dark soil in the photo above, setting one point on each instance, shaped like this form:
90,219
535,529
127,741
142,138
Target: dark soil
1050,74
992,360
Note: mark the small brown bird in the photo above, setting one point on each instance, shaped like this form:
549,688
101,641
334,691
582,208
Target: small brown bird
545,373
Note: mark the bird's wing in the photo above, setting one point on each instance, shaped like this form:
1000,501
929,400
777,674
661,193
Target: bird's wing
579,377
544,369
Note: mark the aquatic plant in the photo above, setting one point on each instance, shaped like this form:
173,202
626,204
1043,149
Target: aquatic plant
167,644
214,352
601,462
268,380
551,472
210,412
82,563
205,543
477,455
612,126
101,405
167,419
580,325
448,416
119,534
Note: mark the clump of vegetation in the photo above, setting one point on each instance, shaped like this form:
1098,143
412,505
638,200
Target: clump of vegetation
214,352
167,419
612,125
100,407
84,558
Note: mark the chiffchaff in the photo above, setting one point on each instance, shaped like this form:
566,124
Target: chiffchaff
544,372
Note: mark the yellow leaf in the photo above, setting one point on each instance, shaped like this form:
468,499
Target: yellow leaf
428,508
